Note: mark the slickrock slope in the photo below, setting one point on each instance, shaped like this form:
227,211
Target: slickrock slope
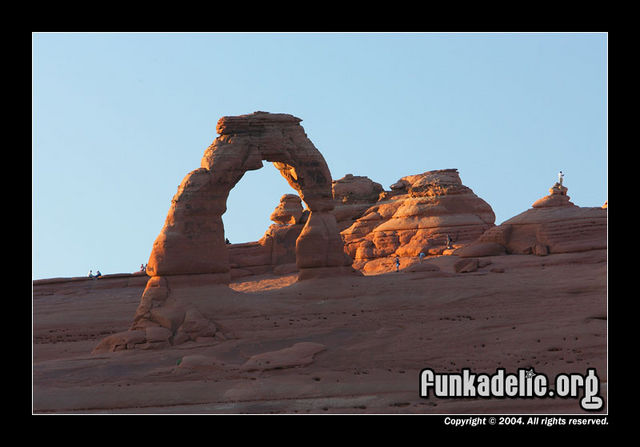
417,215
552,225
345,344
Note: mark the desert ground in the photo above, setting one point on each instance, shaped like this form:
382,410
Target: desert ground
341,345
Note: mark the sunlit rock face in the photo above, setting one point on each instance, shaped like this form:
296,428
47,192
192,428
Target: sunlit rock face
430,213
426,213
552,225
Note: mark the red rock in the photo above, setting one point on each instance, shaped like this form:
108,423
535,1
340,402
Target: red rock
289,211
422,267
557,197
300,354
356,189
417,218
320,244
197,361
120,341
196,325
378,333
191,246
466,265
192,239
250,254
157,334
480,249
552,225
284,269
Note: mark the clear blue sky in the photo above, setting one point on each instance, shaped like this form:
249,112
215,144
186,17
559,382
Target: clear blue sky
120,118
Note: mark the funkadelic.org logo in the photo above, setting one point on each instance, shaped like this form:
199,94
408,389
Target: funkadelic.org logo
525,384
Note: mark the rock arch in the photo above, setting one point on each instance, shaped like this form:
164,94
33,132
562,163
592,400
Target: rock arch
190,249
192,240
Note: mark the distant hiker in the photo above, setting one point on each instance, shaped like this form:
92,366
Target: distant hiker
421,255
560,177
98,274
90,275
397,264
226,241
142,267
449,241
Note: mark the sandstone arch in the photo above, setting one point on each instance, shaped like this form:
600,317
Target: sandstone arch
190,249
192,240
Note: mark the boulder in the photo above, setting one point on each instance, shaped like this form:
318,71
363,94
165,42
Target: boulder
356,189
289,210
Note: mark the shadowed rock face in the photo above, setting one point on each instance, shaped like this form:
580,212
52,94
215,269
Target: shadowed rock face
192,239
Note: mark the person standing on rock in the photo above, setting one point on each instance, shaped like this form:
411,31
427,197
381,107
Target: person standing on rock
90,275
397,263
449,241
560,177
421,255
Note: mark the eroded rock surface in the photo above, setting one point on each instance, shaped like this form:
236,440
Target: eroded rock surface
418,215
552,225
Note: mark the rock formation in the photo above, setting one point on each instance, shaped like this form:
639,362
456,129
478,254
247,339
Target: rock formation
289,211
552,225
191,248
416,216
275,252
348,223
353,195
192,239
557,197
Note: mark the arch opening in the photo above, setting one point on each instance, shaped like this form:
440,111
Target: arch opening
251,203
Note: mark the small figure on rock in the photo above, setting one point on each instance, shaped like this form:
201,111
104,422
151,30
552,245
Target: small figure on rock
90,275
98,274
226,241
143,268
560,177
449,242
397,263
421,255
